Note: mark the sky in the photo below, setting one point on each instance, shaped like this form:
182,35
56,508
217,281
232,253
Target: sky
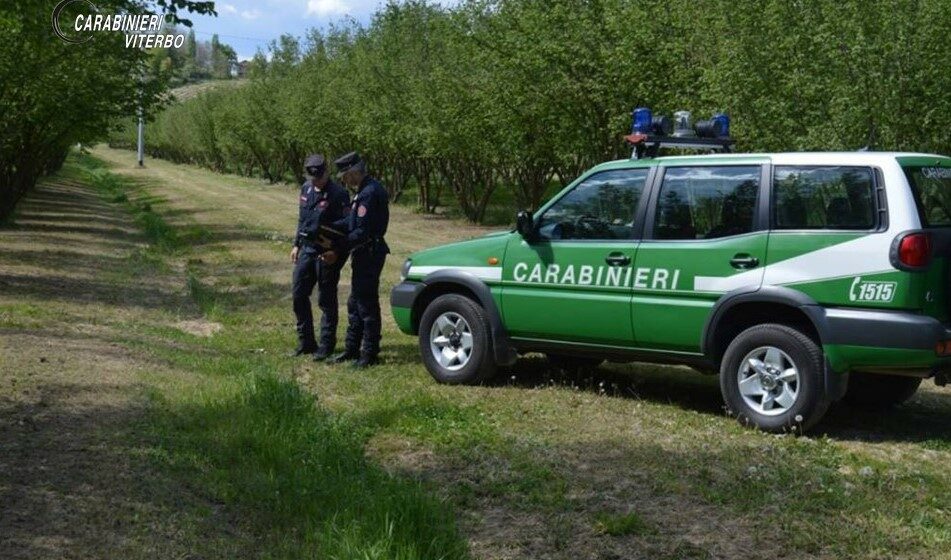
247,25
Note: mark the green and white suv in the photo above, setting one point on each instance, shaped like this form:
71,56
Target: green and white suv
799,278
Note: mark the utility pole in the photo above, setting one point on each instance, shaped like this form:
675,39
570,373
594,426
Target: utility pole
141,137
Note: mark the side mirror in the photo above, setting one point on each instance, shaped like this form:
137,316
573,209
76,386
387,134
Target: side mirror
524,225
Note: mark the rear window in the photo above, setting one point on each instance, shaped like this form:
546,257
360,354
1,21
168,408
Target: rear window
836,198
932,189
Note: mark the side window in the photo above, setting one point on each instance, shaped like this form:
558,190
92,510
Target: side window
600,207
823,198
706,202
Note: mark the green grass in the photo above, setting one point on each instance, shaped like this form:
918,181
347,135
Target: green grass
24,316
252,438
620,524
301,474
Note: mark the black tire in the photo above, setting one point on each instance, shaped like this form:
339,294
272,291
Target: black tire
874,390
573,364
481,361
809,404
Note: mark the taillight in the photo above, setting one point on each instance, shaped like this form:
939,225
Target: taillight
914,250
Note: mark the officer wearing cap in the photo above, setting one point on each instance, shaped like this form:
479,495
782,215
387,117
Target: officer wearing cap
365,226
322,203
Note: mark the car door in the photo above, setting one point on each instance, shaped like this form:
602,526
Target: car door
704,236
571,281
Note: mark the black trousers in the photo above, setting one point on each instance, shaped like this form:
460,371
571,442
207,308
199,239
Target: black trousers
309,272
363,307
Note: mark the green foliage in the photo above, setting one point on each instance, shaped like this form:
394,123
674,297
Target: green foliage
195,61
510,99
54,94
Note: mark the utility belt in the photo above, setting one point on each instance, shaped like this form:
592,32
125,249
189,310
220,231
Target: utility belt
372,245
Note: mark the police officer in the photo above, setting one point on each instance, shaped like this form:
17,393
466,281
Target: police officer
322,203
366,226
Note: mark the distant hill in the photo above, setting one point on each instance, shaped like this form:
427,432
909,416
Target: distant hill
188,91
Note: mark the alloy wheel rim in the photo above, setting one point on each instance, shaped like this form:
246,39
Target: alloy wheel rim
450,340
768,380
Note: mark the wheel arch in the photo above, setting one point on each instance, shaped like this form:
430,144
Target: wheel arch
743,308
450,281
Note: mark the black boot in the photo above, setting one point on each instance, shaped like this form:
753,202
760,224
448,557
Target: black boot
365,361
345,357
302,349
322,354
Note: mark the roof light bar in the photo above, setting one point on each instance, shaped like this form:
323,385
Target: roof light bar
650,133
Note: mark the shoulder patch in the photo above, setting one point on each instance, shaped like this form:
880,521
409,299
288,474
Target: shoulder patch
362,211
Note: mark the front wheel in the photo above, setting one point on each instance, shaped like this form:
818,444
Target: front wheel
772,377
455,341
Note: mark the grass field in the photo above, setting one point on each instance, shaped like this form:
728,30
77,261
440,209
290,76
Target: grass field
146,409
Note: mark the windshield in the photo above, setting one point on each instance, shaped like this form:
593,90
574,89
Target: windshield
932,189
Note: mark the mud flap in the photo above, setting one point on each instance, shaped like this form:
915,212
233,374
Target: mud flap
835,383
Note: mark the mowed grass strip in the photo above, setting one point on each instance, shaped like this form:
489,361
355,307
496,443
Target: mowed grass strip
245,433
539,463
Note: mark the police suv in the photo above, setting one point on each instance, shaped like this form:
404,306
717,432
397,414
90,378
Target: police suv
800,278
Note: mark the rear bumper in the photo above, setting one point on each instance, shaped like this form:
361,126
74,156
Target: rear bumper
886,341
885,329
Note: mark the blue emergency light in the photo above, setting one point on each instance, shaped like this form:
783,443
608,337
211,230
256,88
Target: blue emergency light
724,121
649,133
641,120
717,127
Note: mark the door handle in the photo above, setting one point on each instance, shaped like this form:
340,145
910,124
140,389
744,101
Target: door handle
744,261
617,259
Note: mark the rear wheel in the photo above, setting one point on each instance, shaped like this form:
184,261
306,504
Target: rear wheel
873,390
771,377
455,341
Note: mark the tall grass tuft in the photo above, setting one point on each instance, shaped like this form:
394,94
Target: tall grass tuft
302,472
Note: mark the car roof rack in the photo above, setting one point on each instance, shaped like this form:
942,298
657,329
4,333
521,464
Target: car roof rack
648,145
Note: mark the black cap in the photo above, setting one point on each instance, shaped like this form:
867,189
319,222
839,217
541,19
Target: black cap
315,164
347,162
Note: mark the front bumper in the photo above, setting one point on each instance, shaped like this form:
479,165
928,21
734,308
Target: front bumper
402,299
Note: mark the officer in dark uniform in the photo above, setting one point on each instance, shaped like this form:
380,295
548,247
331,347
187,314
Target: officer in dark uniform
365,226
322,203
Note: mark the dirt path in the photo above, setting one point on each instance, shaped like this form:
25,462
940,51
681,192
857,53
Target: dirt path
74,482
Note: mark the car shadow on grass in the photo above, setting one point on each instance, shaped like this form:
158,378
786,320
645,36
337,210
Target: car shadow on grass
675,385
925,419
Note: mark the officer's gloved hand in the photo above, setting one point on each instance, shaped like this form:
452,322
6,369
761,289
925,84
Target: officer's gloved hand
328,257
